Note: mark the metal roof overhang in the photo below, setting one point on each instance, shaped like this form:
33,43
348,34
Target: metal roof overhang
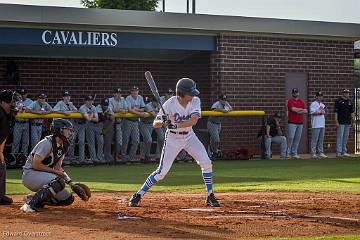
109,45
152,24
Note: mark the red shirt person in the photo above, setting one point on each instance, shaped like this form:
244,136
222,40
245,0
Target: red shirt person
296,110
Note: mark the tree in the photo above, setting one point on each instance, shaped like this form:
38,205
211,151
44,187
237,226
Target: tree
357,72
145,5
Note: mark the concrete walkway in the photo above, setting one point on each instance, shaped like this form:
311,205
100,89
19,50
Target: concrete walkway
308,156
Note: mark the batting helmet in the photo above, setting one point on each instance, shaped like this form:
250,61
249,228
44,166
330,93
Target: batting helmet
186,86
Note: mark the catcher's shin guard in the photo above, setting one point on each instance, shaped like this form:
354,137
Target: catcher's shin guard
66,202
45,193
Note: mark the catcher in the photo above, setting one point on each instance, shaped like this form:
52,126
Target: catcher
43,174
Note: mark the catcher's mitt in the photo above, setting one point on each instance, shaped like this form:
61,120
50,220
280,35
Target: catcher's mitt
81,190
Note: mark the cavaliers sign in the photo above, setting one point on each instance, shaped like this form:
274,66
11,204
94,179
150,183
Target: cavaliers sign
104,39
101,39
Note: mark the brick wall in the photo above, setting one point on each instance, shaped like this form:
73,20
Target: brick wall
88,77
252,70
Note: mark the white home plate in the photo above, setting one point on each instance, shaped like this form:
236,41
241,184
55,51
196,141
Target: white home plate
199,210
124,217
244,217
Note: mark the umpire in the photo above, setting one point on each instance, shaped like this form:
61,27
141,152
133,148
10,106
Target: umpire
6,97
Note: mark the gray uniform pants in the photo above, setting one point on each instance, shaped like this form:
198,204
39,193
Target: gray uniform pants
2,179
317,140
90,139
342,136
131,130
35,180
108,131
75,137
99,140
81,138
21,136
118,136
146,130
294,136
214,131
36,132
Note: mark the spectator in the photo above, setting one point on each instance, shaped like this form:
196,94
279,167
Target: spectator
274,133
296,110
214,125
21,128
136,105
344,113
317,112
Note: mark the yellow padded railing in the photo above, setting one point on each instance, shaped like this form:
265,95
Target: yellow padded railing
248,113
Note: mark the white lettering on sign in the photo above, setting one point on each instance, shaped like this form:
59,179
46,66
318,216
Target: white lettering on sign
51,37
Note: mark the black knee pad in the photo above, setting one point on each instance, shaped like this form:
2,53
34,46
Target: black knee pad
57,184
67,201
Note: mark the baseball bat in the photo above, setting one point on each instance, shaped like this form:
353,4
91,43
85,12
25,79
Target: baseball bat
153,88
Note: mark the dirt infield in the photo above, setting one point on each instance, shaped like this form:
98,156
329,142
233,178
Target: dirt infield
184,216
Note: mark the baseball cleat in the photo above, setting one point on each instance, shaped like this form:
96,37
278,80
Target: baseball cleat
135,200
212,201
5,200
26,208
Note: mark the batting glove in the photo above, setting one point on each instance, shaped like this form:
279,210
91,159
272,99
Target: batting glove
172,126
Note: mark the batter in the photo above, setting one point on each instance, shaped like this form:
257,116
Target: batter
181,113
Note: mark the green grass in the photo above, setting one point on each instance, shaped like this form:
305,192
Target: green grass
316,238
342,175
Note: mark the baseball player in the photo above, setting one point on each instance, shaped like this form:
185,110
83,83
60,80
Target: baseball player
89,113
135,104
181,113
40,106
146,129
66,106
214,125
117,104
168,94
106,117
21,127
42,172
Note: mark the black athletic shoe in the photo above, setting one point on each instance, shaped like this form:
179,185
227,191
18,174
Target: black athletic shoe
212,201
5,200
135,200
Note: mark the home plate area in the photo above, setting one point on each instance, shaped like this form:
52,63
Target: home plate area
246,215
164,215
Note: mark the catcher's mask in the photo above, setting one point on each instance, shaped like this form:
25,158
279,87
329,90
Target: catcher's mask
12,98
57,128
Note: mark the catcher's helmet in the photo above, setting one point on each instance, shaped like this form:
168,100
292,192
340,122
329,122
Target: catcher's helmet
57,127
186,86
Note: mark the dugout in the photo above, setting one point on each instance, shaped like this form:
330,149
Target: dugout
255,61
